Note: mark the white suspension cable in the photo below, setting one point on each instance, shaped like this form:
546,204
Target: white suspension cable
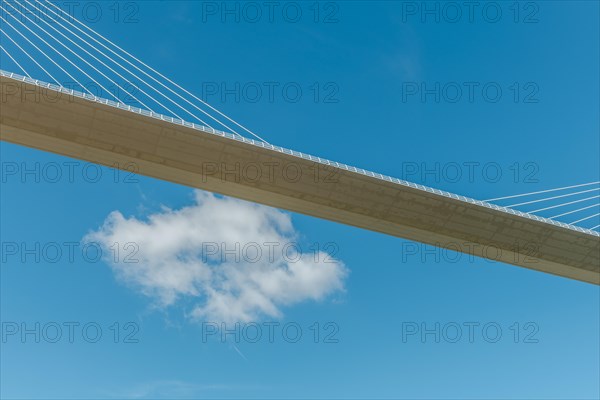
115,62
15,61
164,77
585,219
77,55
32,59
552,198
543,191
46,55
574,211
104,64
597,226
564,204
135,66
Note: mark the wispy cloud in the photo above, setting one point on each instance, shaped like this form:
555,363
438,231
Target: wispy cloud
188,254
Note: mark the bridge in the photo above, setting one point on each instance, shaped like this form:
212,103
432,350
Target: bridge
163,145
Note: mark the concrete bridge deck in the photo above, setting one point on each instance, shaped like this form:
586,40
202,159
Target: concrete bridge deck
53,119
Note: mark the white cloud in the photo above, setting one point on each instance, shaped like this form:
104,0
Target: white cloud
191,253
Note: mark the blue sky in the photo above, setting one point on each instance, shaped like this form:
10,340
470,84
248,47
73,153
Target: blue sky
360,57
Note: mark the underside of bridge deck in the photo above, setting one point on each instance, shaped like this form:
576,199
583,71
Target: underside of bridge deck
87,130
